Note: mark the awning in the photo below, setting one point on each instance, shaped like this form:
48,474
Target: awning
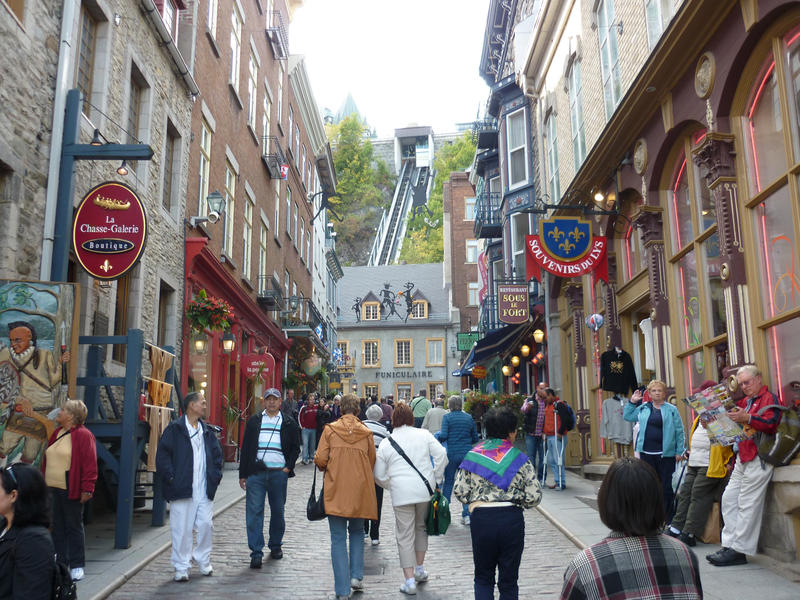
308,333
466,368
496,342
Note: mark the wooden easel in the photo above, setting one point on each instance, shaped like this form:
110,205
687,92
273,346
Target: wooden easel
159,391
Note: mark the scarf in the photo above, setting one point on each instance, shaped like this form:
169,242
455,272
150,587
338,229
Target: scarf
496,460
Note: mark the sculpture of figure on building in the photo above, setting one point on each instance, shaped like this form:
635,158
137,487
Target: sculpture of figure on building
409,296
357,309
388,301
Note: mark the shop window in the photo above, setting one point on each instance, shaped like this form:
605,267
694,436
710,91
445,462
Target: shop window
434,389
712,268
783,353
370,353
694,371
402,353
403,391
691,333
370,390
419,309
371,311
680,206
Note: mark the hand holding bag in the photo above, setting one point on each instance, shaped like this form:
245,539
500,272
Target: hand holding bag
315,509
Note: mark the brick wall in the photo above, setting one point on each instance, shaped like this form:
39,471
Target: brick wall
456,190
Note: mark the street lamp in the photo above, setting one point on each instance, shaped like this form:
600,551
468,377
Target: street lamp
216,206
354,383
228,342
538,336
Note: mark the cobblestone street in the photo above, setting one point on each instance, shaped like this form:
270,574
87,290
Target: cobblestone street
305,571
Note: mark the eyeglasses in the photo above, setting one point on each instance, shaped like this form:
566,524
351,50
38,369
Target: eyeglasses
746,381
10,471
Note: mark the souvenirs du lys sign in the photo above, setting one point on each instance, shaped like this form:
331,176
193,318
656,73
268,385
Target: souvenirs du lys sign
110,230
566,247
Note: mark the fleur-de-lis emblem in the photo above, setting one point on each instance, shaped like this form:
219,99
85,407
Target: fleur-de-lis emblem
566,246
577,234
556,233
106,266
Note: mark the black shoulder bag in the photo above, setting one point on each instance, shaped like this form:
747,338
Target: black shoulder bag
315,509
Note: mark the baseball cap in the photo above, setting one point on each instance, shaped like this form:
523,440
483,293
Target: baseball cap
272,392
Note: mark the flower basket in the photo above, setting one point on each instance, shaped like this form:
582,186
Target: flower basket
207,313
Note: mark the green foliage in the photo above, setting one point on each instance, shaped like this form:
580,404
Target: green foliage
424,244
208,313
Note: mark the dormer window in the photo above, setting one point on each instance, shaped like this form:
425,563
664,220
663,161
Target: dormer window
371,311
419,309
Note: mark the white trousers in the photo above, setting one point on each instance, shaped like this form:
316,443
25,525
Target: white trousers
185,517
743,505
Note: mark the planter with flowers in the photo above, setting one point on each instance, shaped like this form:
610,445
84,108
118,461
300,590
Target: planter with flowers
207,313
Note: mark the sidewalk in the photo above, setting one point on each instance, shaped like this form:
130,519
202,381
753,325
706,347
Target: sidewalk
107,568
573,511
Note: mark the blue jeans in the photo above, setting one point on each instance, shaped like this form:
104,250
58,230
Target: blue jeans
555,458
450,479
346,565
498,538
272,485
309,443
534,447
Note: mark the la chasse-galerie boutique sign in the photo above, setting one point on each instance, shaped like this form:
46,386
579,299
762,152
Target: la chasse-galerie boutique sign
566,247
110,230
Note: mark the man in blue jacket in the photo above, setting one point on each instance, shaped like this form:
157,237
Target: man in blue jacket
189,463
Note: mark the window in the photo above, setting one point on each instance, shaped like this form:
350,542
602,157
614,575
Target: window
291,124
17,8
121,303
294,223
517,149
434,352
247,236
280,96
473,289
308,248
609,58
252,91
277,207
164,327
205,166
230,193
370,353
86,53
302,239
633,253
265,121
296,145
551,151
469,209
371,389
659,14
402,353
289,211
419,309
344,352
371,311
434,389
135,106
472,251
286,283
171,168
576,114
262,258
303,167
236,46
521,225
213,5
403,391
168,16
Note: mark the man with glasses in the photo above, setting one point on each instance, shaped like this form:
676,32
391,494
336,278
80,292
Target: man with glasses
743,500
270,447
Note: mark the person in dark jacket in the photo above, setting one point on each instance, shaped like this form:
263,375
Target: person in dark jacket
459,433
270,447
26,548
189,463
554,430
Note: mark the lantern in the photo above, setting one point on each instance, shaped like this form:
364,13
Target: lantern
506,370
515,361
538,336
525,350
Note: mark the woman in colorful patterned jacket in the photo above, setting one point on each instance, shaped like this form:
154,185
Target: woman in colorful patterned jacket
635,561
497,481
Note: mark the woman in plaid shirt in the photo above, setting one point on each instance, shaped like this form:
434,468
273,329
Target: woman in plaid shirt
635,561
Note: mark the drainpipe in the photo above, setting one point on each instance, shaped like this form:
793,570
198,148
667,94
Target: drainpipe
57,137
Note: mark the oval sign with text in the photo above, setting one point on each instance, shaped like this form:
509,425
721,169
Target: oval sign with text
110,230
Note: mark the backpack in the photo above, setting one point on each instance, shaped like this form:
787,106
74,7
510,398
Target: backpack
779,448
569,421
63,586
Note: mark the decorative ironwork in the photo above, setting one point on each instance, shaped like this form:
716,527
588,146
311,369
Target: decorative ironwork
273,156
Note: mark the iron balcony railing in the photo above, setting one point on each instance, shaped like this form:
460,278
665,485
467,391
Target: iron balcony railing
488,318
273,156
278,35
484,133
488,223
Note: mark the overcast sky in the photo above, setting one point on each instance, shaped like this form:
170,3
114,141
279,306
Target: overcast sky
404,61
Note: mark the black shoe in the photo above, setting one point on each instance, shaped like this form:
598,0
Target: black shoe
717,554
687,539
729,558
255,562
671,533
276,553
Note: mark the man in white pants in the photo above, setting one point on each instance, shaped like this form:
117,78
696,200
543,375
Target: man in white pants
189,463
743,501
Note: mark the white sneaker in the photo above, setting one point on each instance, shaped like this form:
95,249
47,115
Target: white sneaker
77,573
375,542
465,520
207,569
181,576
409,588
420,574
357,584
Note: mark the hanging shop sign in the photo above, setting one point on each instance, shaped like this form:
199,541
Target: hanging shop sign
253,365
483,271
465,340
479,372
566,247
512,303
110,230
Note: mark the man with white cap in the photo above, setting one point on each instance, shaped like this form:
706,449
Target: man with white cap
270,447
189,463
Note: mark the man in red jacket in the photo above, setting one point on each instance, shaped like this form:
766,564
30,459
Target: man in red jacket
743,500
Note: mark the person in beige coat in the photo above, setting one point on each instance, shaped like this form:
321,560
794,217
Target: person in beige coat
346,452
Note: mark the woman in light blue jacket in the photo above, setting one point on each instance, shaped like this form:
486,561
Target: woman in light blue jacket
661,440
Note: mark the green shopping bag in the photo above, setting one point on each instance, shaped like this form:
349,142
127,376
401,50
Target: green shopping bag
438,519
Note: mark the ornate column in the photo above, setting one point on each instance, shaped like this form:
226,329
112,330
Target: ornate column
650,221
614,337
716,158
574,294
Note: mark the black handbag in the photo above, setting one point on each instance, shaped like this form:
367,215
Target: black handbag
315,509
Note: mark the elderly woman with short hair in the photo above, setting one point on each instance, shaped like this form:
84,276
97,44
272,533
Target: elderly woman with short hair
459,433
70,471
635,561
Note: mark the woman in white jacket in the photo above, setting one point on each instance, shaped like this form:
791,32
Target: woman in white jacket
410,495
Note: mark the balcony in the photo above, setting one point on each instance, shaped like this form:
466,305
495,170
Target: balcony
269,293
273,157
488,320
484,134
277,35
487,215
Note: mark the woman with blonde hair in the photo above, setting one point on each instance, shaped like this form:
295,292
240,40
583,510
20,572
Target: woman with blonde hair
346,452
661,440
70,471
